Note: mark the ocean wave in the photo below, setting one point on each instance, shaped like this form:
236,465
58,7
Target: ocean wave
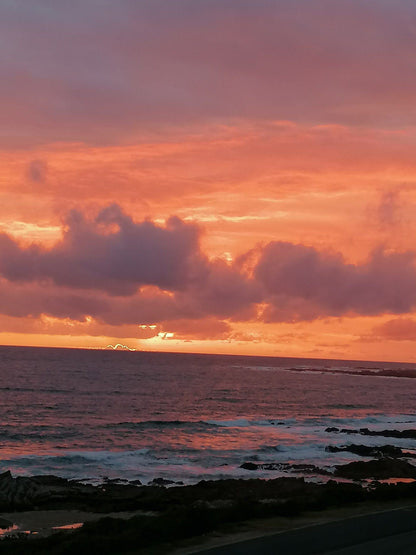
71,458
36,433
36,389
161,424
245,423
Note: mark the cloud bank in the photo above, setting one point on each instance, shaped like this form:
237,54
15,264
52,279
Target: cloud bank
76,72
305,283
111,253
119,271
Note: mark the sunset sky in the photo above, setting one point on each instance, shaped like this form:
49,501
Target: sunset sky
225,176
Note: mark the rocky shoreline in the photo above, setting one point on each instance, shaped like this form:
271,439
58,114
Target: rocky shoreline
362,371
388,462
144,517
165,514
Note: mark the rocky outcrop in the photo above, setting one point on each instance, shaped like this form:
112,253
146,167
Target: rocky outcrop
4,523
404,434
188,511
16,492
49,492
368,451
164,482
285,467
377,469
250,466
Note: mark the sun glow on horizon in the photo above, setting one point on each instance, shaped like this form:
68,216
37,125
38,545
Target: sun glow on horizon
220,210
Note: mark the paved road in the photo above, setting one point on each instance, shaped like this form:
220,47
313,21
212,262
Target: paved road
399,544
384,533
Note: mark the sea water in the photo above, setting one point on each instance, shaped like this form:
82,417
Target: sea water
92,414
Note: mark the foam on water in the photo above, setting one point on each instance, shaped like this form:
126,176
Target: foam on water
90,414
290,441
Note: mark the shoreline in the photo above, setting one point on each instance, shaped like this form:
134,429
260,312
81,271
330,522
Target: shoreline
164,519
44,523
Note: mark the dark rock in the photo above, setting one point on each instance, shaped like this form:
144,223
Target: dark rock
285,467
16,492
161,482
51,492
368,451
289,494
266,466
136,483
405,434
204,508
334,449
308,469
275,466
4,523
250,466
51,480
378,469
108,480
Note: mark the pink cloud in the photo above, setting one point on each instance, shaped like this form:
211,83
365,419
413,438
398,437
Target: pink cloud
307,283
398,329
123,272
78,73
37,171
207,328
111,253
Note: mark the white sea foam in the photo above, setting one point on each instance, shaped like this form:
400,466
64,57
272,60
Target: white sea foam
187,417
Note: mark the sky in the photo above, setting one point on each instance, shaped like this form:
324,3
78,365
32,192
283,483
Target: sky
220,176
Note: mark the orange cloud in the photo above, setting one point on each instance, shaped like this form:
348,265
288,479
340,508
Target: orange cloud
397,329
263,129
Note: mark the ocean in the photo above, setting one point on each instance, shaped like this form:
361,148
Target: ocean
94,415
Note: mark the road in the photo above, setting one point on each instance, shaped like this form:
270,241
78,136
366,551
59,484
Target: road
399,544
383,533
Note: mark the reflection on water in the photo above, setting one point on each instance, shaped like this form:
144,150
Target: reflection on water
73,526
89,414
15,530
397,480
7,531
